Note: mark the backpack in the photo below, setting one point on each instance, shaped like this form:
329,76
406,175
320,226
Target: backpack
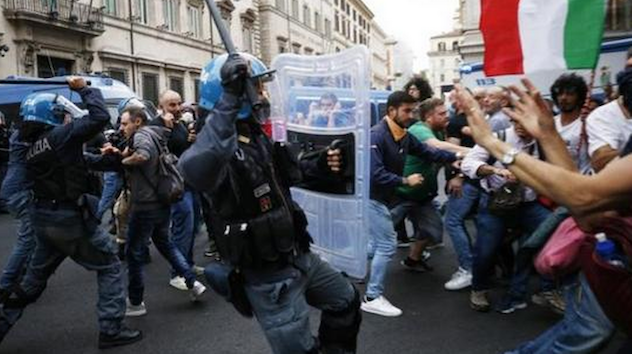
170,186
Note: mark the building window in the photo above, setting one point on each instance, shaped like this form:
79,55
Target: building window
282,45
150,87
354,15
194,16
317,25
142,12
442,77
296,48
176,84
280,4
619,15
327,28
295,9
336,22
441,47
308,51
441,63
110,7
196,89
170,12
248,42
307,18
118,74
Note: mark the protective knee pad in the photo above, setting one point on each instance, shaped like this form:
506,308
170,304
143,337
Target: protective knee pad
338,332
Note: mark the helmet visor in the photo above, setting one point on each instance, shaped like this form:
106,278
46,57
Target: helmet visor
70,107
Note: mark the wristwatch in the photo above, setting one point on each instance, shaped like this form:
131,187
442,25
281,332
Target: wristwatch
509,157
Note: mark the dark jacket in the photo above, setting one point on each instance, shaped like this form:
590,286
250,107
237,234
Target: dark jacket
143,178
178,139
388,157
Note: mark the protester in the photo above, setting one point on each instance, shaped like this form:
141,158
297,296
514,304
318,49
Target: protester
584,327
497,98
610,126
418,202
181,136
493,218
390,144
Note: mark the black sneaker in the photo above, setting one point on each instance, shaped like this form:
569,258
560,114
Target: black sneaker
510,304
417,266
124,337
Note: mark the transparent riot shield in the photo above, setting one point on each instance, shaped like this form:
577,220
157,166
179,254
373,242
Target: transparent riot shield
320,102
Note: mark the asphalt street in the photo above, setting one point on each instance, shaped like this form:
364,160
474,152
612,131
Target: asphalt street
434,320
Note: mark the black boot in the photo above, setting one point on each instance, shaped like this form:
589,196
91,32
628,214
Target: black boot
124,337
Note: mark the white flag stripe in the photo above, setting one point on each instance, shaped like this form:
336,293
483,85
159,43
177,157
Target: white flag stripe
541,24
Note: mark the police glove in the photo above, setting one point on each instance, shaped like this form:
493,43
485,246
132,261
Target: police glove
234,74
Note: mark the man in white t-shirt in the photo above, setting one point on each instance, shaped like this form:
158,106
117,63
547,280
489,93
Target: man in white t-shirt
569,93
610,126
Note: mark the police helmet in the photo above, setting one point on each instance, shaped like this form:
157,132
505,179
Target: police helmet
211,82
48,108
132,102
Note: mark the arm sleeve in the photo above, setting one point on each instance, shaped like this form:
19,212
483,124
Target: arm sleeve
204,164
426,152
379,174
84,129
144,145
99,162
601,132
476,158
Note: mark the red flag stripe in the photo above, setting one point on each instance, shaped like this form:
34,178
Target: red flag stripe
501,35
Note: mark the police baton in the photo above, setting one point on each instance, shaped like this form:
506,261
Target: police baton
251,90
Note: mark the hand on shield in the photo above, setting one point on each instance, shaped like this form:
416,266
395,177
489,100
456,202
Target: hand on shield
234,74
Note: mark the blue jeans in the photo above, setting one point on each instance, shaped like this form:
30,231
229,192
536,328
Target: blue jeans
143,225
182,219
61,233
491,231
381,248
583,329
280,301
18,205
112,184
456,212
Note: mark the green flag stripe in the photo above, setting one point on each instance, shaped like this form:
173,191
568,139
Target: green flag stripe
583,32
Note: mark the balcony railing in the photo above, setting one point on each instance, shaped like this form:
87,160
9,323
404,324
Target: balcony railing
67,13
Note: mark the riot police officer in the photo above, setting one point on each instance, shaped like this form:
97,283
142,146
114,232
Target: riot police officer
261,232
63,215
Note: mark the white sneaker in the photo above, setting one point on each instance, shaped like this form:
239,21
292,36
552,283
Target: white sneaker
460,280
179,283
196,291
380,306
135,311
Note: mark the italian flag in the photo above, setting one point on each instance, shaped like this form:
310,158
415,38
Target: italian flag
525,36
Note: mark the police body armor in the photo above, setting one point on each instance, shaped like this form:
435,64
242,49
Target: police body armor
257,223
54,180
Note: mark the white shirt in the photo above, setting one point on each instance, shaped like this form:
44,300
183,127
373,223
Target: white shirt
608,125
572,135
478,157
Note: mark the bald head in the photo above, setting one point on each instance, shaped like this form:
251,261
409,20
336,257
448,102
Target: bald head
171,102
495,99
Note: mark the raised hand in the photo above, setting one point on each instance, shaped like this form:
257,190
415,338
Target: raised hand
479,129
530,110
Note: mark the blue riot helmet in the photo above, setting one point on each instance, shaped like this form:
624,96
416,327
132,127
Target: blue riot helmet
132,102
48,108
211,82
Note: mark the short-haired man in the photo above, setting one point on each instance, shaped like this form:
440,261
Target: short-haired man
417,202
390,144
180,139
491,226
610,126
149,216
497,98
